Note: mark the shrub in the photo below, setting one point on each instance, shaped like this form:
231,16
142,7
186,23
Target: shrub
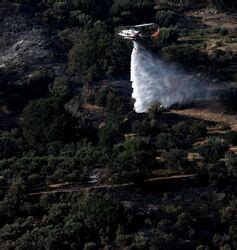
87,58
154,111
166,141
224,126
131,161
166,18
220,56
175,158
229,98
96,55
89,156
163,240
185,54
112,101
145,127
119,57
217,173
231,163
98,9
79,18
213,149
195,129
43,121
110,134
61,89
100,215
227,5
9,147
168,36
133,11
231,137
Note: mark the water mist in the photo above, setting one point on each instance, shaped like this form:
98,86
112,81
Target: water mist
155,81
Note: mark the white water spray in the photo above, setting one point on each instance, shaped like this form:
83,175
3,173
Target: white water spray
154,81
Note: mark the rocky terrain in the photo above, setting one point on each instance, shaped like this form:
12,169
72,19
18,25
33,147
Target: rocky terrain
26,48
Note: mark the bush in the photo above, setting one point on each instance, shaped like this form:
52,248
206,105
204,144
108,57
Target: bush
175,158
131,162
44,120
154,111
167,18
185,54
133,11
142,127
229,98
195,129
94,218
231,137
112,101
119,57
88,57
79,18
168,36
110,134
10,146
231,163
213,150
61,89
220,56
227,5
96,54
218,174
98,9
224,126
166,141
90,156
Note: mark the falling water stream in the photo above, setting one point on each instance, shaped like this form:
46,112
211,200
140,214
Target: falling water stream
155,81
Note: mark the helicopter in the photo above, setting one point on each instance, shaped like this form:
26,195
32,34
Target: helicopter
136,32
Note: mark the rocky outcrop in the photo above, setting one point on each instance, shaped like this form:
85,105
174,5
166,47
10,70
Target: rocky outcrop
25,49
28,63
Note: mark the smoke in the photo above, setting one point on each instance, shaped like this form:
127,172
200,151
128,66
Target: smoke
155,81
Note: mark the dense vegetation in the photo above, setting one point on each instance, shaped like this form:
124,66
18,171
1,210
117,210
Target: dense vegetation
76,132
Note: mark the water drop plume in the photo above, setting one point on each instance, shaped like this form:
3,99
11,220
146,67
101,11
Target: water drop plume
155,81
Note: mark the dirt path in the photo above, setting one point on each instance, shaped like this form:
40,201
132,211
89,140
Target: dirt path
205,114
115,187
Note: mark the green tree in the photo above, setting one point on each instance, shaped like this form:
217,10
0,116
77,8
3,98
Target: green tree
99,9
97,54
133,11
168,36
167,18
61,89
111,134
43,121
231,137
166,141
89,56
213,149
132,161
175,158
218,174
192,129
